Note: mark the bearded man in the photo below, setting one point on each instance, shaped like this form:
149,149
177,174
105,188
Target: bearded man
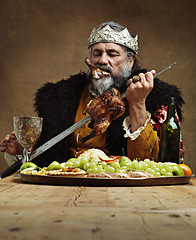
135,133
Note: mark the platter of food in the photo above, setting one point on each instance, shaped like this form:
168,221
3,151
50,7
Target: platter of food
110,182
95,168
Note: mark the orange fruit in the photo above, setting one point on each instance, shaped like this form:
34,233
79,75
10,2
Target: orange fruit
186,169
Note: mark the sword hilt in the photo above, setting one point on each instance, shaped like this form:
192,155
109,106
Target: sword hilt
137,78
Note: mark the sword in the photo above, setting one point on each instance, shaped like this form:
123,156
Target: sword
14,167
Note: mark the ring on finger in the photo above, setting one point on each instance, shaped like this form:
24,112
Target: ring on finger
133,80
136,79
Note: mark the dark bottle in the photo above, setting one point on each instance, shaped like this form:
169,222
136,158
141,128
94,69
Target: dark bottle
170,134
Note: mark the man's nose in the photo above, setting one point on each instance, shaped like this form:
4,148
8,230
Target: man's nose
103,59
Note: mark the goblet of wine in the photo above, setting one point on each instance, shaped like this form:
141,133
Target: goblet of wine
27,131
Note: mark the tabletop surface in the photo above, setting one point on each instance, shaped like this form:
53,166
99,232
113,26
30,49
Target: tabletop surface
33,211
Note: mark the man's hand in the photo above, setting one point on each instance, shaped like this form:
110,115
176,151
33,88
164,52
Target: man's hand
11,145
136,95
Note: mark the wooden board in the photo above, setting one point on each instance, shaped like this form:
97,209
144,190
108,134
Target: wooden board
84,181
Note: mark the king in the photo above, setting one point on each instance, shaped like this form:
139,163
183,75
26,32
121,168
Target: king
135,133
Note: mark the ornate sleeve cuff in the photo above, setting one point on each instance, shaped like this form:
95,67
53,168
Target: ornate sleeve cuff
127,127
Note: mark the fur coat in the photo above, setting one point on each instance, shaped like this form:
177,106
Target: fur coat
57,104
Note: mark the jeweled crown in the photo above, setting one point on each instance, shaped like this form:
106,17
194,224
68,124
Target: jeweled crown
107,34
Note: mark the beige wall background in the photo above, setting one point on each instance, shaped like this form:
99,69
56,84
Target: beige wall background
46,40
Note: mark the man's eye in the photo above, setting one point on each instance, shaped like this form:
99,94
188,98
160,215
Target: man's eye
96,54
113,54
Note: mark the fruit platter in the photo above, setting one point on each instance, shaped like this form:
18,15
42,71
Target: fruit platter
95,168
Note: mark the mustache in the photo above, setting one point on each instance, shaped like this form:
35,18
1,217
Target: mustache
104,68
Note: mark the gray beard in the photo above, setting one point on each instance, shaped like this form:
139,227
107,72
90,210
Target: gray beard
99,86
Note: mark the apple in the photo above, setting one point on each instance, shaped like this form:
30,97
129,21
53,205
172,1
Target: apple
177,170
29,165
54,166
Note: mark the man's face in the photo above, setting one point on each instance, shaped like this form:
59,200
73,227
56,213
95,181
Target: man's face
110,57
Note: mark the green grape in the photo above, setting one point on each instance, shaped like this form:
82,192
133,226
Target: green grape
84,160
77,164
124,168
94,160
163,171
92,164
95,170
152,165
103,164
86,166
156,169
111,169
144,165
106,168
124,163
115,165
157,174
100,169
168,167
89,170
147,160
168,174
150,170
139,166
135,161
134,164
129,166
159,165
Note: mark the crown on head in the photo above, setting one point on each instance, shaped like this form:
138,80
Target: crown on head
107,34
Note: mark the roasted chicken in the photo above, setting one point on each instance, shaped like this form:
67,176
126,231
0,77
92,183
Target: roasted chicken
103,110
96,72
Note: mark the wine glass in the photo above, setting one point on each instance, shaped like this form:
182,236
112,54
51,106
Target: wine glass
27,131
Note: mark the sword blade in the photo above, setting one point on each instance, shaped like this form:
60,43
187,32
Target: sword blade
58,138
163,70
123,95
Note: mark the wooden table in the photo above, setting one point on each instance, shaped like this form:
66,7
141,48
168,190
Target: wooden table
30,211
